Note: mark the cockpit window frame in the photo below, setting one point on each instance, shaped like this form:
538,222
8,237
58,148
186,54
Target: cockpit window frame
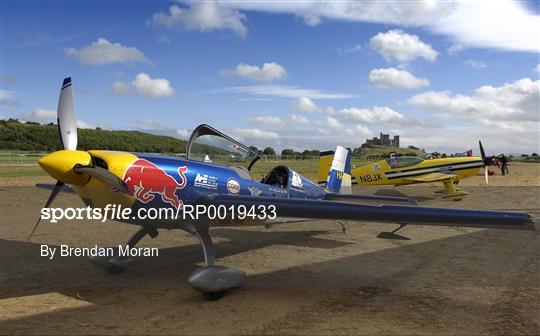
205,129
414,159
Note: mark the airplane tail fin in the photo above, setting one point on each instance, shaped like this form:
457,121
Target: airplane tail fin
325,161
339,174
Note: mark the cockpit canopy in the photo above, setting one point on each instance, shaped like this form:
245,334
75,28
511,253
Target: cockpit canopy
403,161
208,144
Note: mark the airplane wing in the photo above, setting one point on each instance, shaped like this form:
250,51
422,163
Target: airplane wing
406,214
431,177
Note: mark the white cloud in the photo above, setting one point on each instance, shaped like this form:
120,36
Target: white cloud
84,124
104,52
394,78
331,125
466,137
41,38
269,121
537,68
287,92
497,24
202,16
269,72
40,115
304,104
299,119
152,87
254,133
510,106
402,47
8,98
455,49
350,50
314,12
183,133
476,64
375,115
43,115
121,88
363,130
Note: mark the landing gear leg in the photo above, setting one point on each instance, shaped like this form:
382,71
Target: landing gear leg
393,234
343,227
211,280
451,191
116,264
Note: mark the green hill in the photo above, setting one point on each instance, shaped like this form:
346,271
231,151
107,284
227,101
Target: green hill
373,151
15,135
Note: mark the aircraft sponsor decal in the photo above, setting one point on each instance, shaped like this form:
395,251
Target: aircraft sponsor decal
296,180
145,180
205,181
254,191
277,190
233,187
376,167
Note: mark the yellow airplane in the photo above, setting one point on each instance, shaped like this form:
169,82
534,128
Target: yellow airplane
405,170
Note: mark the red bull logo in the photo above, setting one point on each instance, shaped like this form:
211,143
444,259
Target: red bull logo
145,180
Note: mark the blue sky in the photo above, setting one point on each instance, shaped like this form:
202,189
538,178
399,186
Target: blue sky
285,74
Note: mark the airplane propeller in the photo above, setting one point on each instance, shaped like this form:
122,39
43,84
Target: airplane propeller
488,161
70,165
67,128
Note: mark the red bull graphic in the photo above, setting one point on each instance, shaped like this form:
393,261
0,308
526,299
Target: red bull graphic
145,180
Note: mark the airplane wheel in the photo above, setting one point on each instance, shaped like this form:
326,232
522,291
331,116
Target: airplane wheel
213,296
114,270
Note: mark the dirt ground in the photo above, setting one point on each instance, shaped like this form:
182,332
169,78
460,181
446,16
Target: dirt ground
303,278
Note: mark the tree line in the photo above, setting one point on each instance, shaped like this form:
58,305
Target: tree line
32,136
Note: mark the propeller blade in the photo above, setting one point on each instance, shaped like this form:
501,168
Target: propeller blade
55,192
486,173
482,152
104,175
67,125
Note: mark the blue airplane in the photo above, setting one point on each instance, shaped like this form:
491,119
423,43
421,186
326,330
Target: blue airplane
212,175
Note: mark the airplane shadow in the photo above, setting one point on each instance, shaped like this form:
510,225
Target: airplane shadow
41,274
482,259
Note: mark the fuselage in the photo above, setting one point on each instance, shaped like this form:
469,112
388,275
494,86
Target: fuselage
400,171
170,182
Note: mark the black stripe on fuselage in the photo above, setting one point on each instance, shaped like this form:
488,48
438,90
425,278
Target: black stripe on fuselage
437,166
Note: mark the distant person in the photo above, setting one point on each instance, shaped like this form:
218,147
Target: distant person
504,163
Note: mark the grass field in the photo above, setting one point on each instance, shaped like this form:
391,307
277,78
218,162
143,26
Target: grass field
20,170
